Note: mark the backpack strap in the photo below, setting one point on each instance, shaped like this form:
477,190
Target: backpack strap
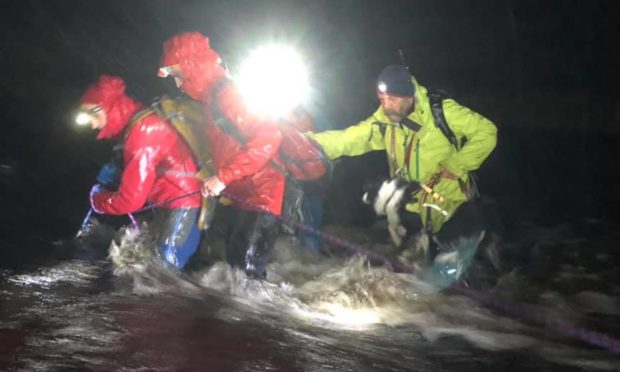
411,124
223,123
183,120
119,142
186,117
139,116
436,98
218,117
136,118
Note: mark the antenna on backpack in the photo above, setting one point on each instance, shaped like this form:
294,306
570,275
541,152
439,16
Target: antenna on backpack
401,55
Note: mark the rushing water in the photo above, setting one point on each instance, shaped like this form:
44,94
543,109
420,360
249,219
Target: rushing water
128,313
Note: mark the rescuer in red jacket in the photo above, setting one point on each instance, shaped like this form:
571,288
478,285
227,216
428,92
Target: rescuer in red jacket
158,168
244,149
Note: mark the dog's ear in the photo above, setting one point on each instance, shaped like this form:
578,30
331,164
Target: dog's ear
367,190
366,198
371,189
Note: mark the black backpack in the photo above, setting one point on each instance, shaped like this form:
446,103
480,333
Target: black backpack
436,98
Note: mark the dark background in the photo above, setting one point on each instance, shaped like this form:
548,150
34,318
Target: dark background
546,72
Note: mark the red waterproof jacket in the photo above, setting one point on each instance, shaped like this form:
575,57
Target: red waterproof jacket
252,170
158,165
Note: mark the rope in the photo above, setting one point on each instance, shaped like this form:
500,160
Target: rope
564,329
567,330
134,222
167,201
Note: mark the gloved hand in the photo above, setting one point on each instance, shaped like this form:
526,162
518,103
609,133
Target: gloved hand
108,174
94,191
212,186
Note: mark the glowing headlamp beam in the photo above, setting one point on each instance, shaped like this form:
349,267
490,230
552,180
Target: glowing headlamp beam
85,117
82,118
273,81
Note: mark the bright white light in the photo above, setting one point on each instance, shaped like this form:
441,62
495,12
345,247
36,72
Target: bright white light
82,118
273,81
382,87
350,316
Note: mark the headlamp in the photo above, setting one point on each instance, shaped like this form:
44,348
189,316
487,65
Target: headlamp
382,87
85,116
273,81
174,70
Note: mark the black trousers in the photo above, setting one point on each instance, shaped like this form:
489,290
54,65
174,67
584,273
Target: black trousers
251,241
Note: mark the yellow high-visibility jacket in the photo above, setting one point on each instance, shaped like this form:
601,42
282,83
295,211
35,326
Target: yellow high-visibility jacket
420,155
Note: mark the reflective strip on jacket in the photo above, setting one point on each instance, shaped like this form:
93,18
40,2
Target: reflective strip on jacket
429,150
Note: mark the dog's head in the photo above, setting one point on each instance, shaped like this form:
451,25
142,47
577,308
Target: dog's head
371,190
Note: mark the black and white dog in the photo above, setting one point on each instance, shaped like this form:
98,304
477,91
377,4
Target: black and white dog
472,223
389,198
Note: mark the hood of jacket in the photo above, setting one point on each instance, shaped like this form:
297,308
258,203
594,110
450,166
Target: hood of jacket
200,65
109,93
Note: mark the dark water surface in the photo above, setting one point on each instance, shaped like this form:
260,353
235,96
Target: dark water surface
314,314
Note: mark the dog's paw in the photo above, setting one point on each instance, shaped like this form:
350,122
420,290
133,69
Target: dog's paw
397,239
407,258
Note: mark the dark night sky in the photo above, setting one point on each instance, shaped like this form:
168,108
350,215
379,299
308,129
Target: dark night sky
545,71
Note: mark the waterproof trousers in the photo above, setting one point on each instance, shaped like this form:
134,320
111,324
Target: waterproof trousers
251,241
179,235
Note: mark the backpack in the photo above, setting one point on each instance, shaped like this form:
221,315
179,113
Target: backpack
187,118
436,98
303,158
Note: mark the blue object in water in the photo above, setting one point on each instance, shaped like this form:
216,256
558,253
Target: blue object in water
180,237
312,211
454,261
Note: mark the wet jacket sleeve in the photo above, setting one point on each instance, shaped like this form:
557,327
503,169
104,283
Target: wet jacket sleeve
144,148
262,143
355,140
481,136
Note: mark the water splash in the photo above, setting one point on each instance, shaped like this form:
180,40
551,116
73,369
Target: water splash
134,252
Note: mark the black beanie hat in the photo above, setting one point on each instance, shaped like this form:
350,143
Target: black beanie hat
396,79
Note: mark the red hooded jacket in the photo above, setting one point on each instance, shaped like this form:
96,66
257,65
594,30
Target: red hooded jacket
158,165
252,170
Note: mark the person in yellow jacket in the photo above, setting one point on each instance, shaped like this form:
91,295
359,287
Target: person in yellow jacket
417,150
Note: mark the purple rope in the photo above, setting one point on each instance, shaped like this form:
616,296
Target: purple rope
564,329
355,248
167,201
133,221
86,218
561,328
